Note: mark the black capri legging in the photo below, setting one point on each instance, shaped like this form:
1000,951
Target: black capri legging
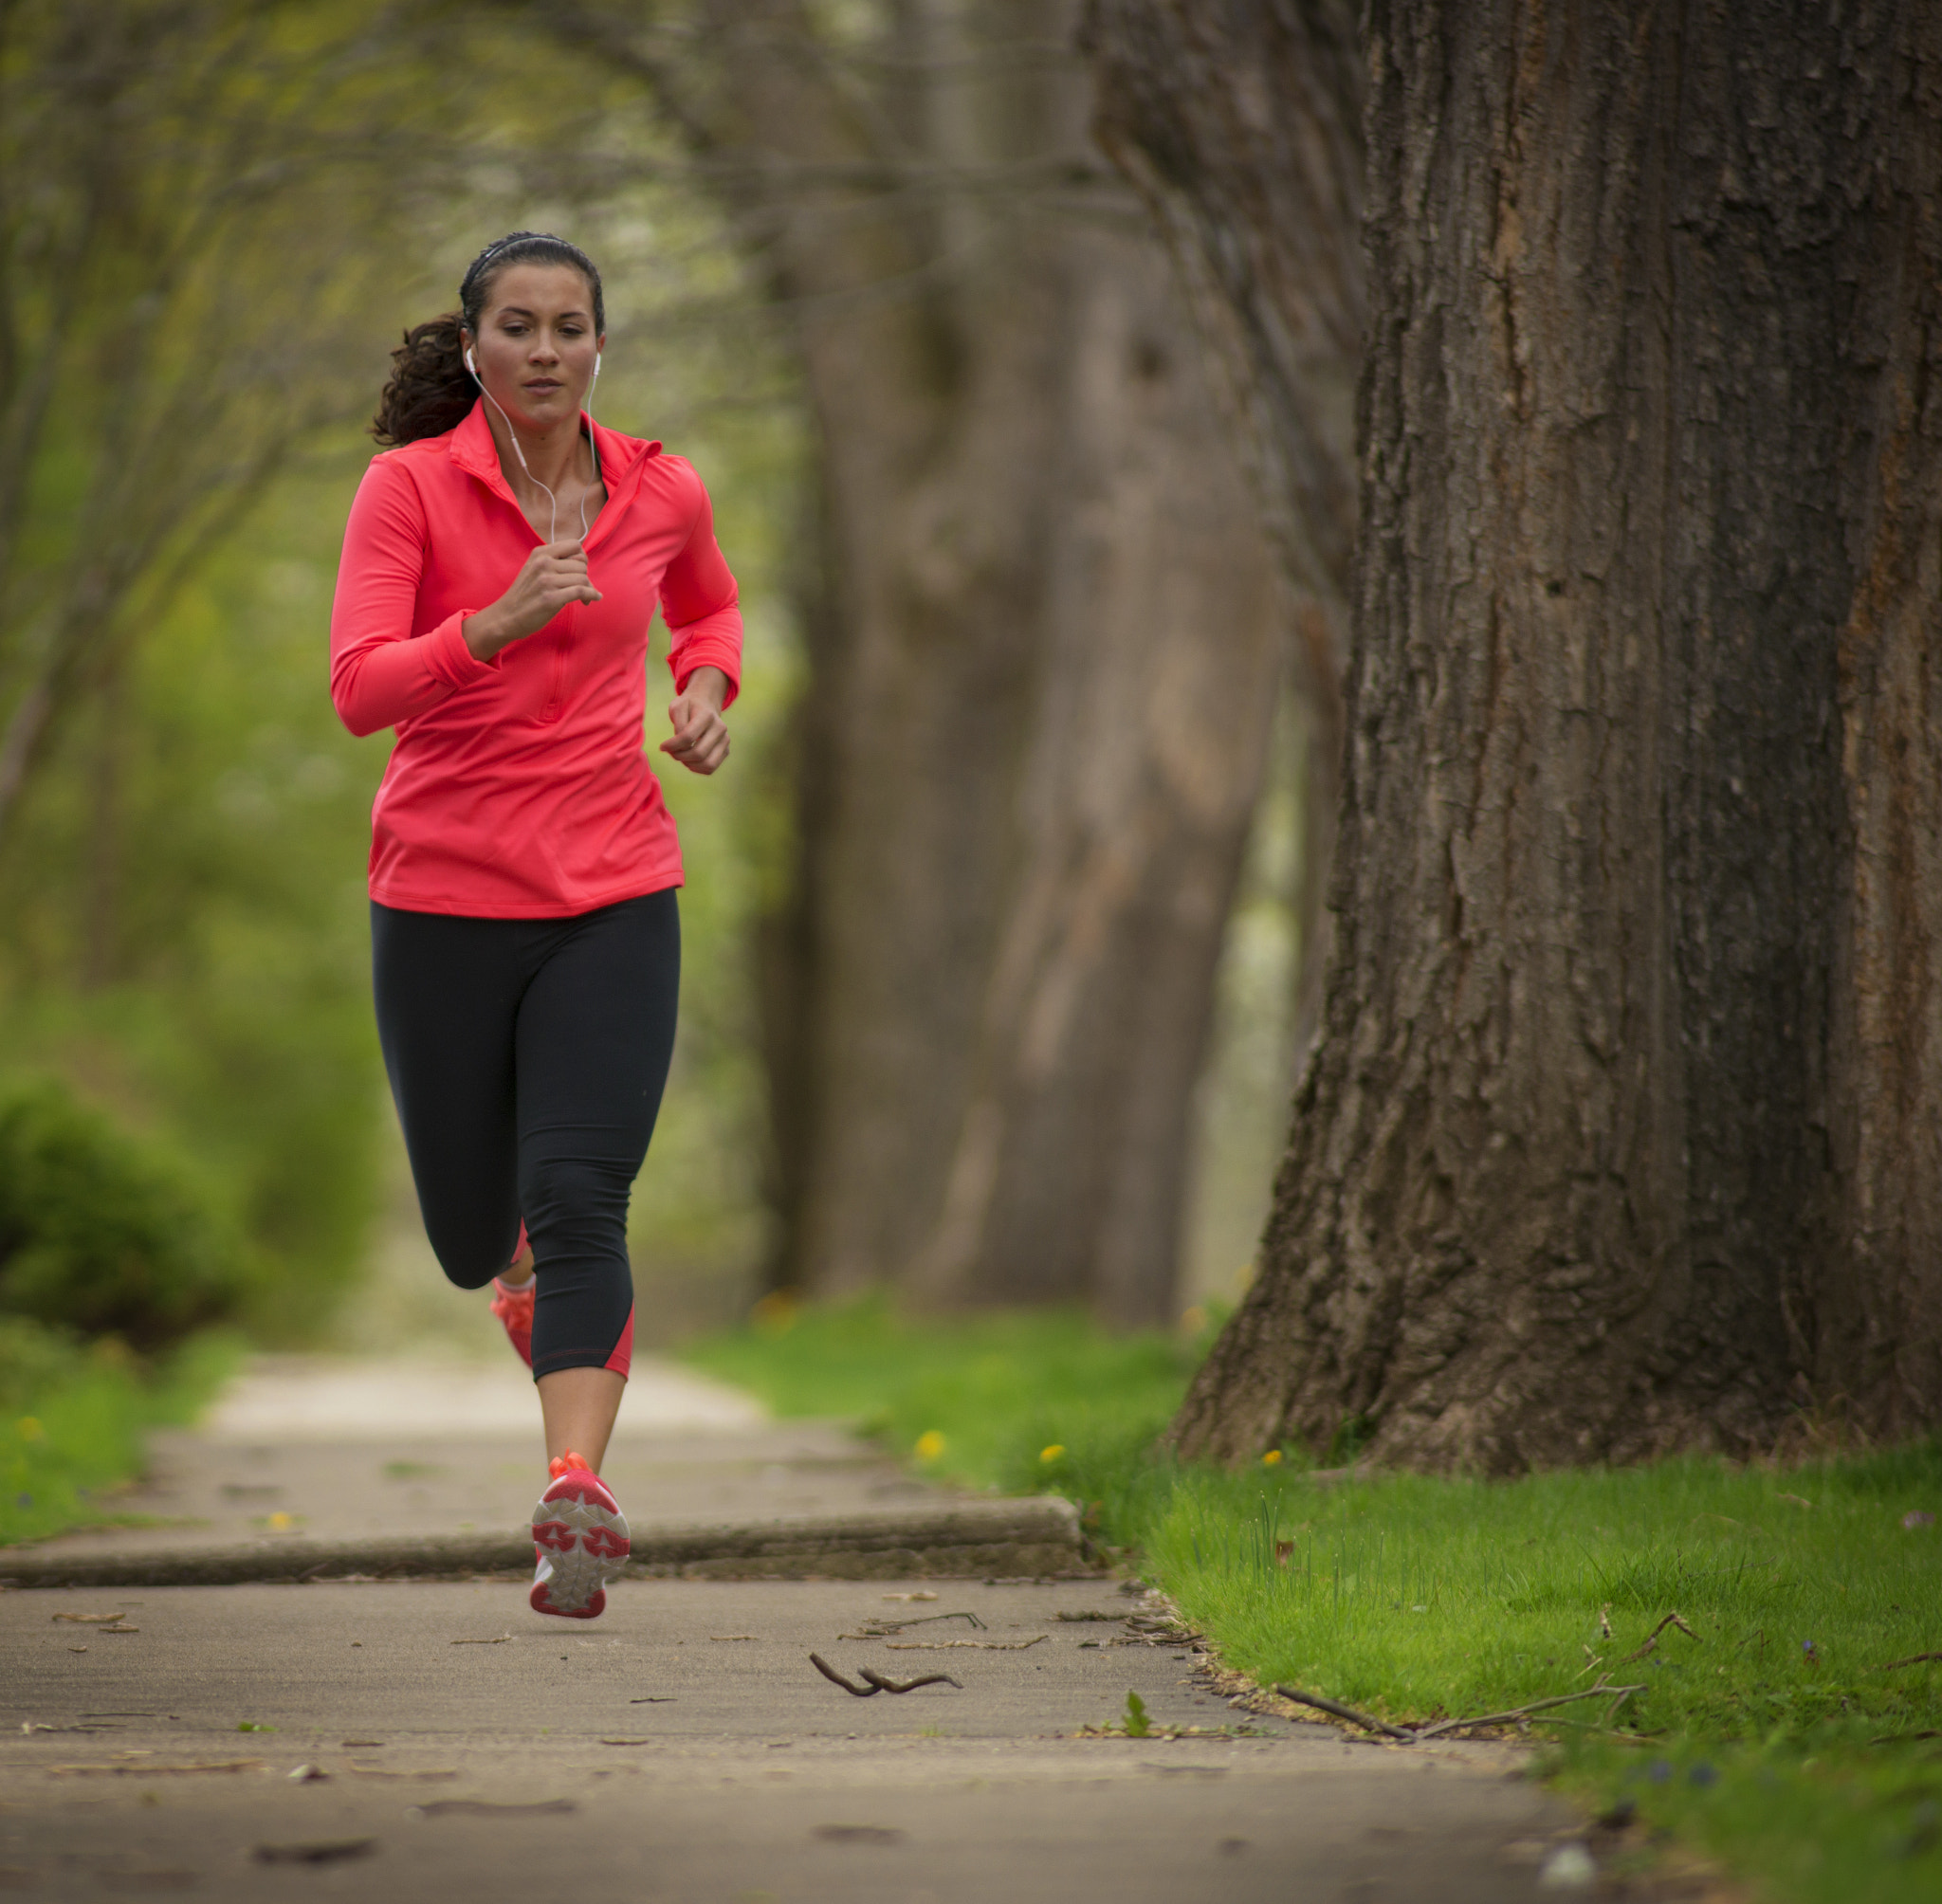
528,1058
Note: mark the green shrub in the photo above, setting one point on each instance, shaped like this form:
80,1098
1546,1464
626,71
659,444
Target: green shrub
34,1361
73,1421
103,1232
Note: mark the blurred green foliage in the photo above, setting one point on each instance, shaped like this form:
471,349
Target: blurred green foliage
72,1419
104,1233
34,1362
187,919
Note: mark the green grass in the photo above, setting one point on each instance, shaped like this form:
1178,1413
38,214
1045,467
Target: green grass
979,1399
1414,1598
72,1427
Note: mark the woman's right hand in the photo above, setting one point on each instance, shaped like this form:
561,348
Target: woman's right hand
551,577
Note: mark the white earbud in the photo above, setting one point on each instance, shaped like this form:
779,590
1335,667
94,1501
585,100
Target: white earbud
519,451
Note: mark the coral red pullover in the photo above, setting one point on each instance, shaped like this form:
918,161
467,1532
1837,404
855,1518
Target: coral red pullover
518,787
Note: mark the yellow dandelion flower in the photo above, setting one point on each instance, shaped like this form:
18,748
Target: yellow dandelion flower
930,1444
1053,1452
1272,1458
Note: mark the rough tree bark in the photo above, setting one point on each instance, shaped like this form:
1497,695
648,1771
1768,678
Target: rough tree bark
1625,1130
1045,650
1240,126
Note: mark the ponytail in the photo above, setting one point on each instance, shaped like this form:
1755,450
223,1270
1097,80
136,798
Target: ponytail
430,390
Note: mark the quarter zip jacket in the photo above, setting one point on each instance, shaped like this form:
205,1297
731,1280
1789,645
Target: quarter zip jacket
518,788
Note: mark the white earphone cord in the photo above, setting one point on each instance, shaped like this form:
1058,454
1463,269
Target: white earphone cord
512,431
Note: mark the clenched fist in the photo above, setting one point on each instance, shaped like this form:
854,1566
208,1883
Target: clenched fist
553,575
700,739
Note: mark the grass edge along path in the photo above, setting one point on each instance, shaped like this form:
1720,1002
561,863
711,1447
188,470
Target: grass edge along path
1412,1599
74,1433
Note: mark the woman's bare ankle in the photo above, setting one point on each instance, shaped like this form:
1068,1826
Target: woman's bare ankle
519,1272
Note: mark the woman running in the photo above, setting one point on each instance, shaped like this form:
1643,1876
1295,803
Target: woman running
501,565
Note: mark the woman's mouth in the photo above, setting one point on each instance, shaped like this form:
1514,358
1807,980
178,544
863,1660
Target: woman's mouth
543,386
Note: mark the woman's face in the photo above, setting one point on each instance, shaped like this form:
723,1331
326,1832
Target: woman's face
536,344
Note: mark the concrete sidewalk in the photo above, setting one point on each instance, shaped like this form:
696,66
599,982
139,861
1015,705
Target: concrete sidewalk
684,1746
313,1468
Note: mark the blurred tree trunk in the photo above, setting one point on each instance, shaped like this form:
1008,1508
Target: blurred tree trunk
1241,128
1044,656
1625,1130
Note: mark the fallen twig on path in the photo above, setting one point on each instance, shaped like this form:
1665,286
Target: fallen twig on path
981,1645
1348,1712
1618,1694
1417,1734
1913,1659
884,1685
877,1629
875,1682
836,1678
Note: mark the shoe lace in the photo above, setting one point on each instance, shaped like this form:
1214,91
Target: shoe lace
568,1463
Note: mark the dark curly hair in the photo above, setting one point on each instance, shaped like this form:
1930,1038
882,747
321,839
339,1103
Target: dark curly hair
430,390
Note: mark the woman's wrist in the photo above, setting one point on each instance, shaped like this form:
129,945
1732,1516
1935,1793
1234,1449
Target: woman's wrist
711,685
481,633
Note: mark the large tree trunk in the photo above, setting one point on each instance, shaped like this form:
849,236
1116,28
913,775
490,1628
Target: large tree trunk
1625,1133
1045,650
1241,128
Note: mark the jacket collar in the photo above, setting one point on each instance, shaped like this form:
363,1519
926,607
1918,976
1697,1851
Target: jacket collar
622,458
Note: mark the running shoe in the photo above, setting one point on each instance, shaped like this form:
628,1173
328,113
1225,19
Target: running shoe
514,1307
580,1541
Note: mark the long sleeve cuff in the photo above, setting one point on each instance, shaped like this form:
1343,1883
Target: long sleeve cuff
383,683
451,659
715,641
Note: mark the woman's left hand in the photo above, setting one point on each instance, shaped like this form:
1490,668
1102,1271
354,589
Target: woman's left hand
701,737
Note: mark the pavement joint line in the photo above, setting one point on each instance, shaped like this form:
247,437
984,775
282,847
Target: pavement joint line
1035,1537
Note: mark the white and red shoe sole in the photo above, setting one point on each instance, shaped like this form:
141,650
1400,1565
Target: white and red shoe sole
580,1542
